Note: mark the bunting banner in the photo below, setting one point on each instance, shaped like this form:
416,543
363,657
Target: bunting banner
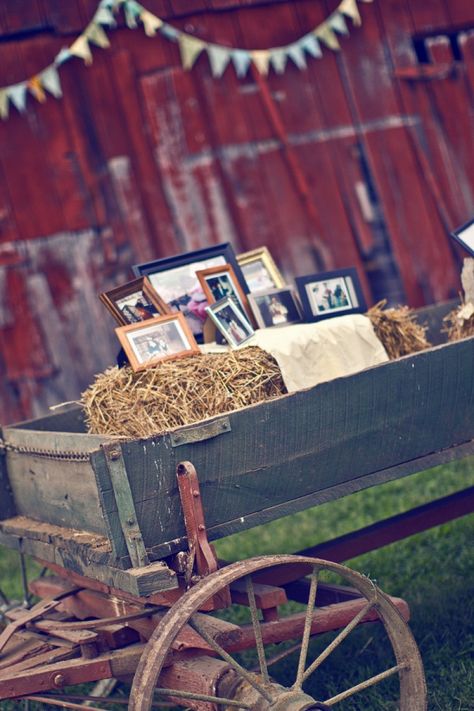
326,35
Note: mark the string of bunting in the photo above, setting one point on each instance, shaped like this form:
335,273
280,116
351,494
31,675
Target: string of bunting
48,81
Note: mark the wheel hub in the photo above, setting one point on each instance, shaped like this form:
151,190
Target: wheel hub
284,699
296,701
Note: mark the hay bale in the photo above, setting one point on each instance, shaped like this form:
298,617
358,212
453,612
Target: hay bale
179,392
459,323
397,329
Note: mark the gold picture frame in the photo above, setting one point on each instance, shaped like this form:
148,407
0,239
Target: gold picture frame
260,270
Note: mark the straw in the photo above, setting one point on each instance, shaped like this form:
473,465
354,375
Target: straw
179,392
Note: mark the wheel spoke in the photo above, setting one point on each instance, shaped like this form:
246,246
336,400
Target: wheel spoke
179,694
337,640
307,629
281,655
257,630
365,684
248,676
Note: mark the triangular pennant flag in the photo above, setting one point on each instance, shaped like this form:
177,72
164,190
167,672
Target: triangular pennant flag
190,48
337,23
261,59
80,48
349,9
50,81
295,51
219,58
3,104
278,58
34,85
151,23
311,45
97,36
104,16
327,35
133,10
241,60
169,31
17,95
62,56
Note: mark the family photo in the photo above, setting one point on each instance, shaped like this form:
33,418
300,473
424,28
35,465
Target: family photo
332,295
137,307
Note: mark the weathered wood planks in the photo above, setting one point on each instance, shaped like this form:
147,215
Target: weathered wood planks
270,460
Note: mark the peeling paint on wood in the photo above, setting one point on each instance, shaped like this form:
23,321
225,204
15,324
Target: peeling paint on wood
140,159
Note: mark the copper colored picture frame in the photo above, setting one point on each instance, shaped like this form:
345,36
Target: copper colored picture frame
163,338
134,302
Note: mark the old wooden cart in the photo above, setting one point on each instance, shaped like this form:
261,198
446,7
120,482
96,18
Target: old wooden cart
124,528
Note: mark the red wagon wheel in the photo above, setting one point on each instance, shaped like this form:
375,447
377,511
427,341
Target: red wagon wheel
242,688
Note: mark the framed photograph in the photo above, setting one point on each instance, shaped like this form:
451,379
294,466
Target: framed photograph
275,307
259,270
465,236
175,280
230,321
134,301
331,294
219,282
150,342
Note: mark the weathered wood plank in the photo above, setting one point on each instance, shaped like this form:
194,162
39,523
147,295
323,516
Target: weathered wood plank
402,404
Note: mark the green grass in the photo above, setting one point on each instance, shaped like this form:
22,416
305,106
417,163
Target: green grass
433,571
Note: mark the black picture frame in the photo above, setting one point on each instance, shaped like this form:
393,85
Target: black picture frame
275,307
318,298
175,268
466,240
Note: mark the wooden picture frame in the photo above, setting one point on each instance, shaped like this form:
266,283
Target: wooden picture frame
329,294
231,321
130,302
163,338
464,235
275,307
260,270
219,282
174,279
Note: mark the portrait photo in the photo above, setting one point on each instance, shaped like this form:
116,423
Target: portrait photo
219,282
275,307
260,270
230,321
134,301
331,294
175,280
163,338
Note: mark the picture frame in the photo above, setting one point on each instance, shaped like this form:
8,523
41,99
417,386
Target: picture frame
219,282
130,302
464,235
230,321
163,338
174,279
275,307
329,294
260,270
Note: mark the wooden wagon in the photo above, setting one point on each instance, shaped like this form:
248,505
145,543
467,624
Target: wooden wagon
124,527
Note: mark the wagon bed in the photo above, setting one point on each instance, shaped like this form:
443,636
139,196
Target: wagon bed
110,508
123,525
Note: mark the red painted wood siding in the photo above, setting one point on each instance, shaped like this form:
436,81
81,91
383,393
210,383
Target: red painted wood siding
357,161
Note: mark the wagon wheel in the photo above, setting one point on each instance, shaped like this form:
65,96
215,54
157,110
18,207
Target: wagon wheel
246,689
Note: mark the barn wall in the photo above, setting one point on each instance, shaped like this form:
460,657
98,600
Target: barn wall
363,159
